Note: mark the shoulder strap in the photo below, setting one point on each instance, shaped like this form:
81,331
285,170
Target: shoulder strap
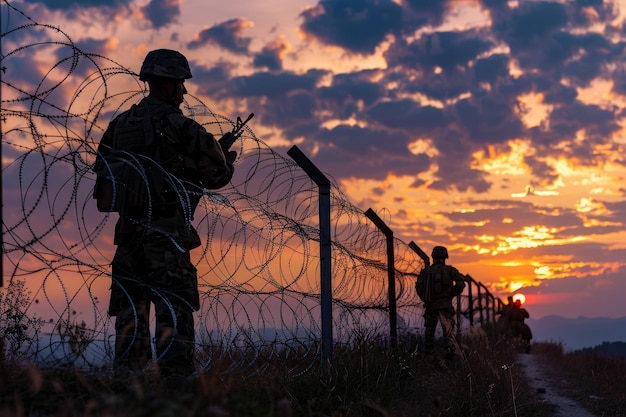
148,127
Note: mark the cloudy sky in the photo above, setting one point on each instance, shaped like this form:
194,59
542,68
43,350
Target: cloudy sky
493,127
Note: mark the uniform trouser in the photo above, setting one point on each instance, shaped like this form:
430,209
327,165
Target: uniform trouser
146,273
520,330
446,318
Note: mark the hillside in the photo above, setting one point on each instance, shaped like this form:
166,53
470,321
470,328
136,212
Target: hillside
614,349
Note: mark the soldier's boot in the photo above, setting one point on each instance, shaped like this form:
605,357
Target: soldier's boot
132,344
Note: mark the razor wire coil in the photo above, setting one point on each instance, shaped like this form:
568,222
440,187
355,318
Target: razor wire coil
258,267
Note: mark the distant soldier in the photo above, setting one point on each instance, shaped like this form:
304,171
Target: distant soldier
436,286
519,328
505,312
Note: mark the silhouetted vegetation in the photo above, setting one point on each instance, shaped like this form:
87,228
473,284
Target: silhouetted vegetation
608,349
590,376
366,380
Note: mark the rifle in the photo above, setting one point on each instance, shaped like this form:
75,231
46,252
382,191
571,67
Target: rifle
227,140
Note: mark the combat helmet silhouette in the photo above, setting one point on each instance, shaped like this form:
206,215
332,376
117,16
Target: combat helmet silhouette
165,63
439,252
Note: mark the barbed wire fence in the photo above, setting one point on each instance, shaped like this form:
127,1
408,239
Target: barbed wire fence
258,268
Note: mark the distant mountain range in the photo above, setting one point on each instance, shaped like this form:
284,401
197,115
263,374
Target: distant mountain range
578,333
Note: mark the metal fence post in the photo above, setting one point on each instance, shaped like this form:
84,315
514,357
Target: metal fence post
391,275
420,253
326,292
480,304
487,307
470,302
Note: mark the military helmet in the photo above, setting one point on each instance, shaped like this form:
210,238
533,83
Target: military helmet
439,252
165,63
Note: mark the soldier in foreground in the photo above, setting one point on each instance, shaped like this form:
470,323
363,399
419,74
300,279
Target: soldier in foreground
152,166
436,286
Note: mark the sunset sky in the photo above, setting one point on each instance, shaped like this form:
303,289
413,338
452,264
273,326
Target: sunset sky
492,127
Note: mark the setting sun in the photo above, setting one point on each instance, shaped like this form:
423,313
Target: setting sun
520,297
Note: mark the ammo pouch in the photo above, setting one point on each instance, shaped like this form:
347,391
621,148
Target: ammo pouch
434,283
140,172
121,186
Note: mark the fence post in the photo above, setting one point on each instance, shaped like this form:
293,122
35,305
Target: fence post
480,304
420,253
485,306
497,306
391,276
458,318
487,295
326,292
470,302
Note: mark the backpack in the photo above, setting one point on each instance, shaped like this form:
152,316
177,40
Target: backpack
131,174
434,282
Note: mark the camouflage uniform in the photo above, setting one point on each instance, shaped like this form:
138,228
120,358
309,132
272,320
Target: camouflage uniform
437,285
152,263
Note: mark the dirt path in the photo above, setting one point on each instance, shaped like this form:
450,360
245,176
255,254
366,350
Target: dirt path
538,376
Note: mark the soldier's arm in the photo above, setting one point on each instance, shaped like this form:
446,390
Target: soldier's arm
105,146
459,281
214,169
211,169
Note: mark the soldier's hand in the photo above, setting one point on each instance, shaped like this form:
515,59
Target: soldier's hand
231,156
226,141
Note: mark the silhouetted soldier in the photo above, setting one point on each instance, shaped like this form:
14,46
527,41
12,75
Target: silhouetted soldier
519,328
153,164
505,313
437,285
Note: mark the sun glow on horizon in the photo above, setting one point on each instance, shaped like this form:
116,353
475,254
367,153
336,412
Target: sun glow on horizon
519,297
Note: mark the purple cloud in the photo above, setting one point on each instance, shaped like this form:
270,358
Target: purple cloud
226,35
161,13
358,26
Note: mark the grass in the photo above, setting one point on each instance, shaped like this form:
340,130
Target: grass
596,381
364,381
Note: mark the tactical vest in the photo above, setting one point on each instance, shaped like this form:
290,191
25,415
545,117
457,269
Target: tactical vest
435,282
141,169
